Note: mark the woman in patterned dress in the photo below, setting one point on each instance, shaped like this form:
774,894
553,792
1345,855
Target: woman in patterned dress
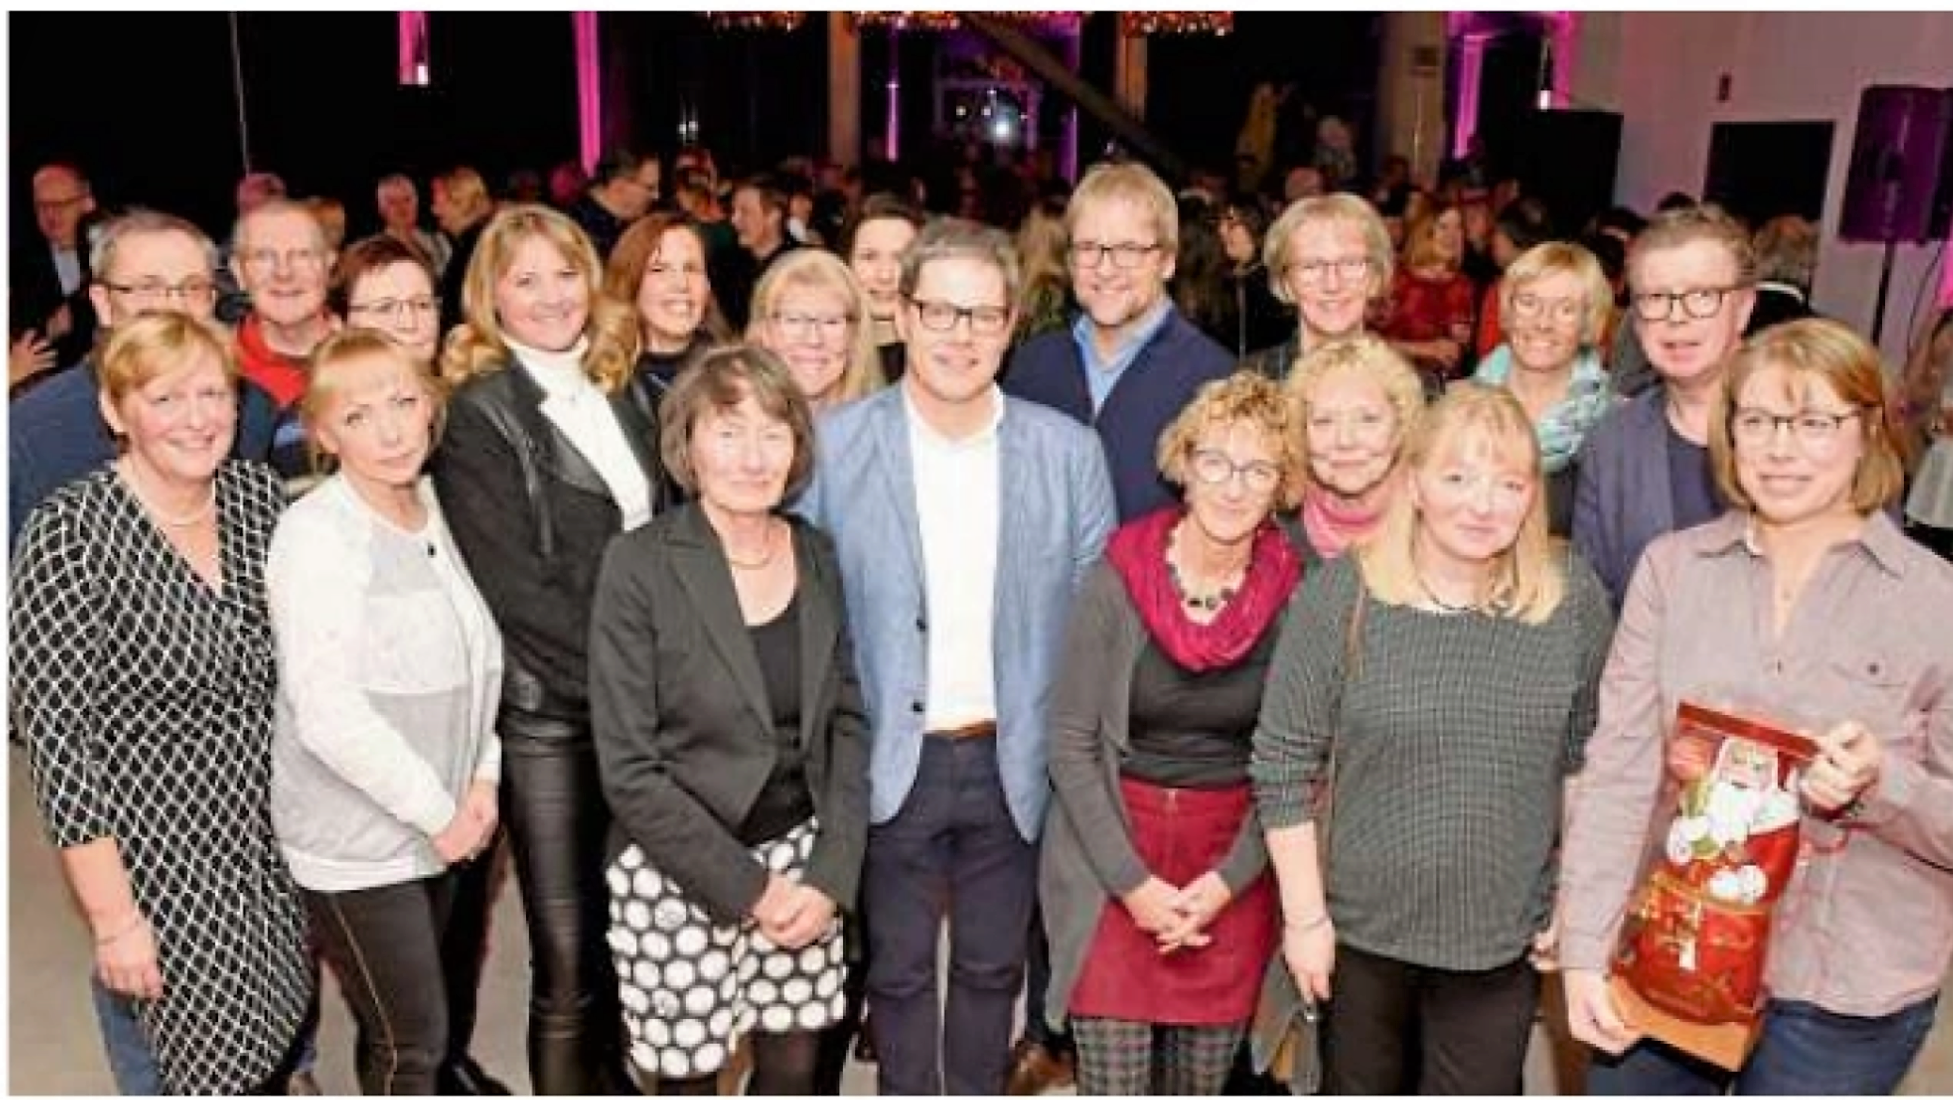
143,677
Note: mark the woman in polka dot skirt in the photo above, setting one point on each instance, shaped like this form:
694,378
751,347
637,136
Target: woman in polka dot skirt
730,737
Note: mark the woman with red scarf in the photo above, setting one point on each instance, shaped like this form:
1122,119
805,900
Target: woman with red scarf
1156,897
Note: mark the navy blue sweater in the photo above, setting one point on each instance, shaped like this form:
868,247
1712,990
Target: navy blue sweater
1176,362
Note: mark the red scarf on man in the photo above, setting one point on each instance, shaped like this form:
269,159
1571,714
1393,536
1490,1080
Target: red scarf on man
1137,552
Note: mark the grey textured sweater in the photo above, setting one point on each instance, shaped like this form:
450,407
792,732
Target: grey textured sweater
1455,734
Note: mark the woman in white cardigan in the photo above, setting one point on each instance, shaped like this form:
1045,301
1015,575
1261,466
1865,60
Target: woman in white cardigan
384,758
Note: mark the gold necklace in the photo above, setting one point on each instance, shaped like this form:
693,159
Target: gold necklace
766,559
188,519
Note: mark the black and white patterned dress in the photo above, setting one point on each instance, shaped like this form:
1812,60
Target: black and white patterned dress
145,701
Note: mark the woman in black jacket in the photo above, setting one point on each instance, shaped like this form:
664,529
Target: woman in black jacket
730,732
544,458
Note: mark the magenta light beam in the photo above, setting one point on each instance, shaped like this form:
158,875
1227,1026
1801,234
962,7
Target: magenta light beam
589,98
413,48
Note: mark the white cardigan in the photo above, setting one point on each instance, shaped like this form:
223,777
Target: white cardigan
390,670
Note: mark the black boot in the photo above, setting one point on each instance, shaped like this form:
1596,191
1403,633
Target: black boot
465,1077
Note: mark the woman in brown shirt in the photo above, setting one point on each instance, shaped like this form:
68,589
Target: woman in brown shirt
1806,596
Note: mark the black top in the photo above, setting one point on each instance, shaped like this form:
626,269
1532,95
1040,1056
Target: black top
684,721
1691,482
533,517
895,360
1195,729
785,800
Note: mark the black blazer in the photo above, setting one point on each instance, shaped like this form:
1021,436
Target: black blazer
683,728
532,517
36,295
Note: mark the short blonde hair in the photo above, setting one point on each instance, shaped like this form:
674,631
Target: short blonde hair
1529,576
1368,356
719,381
1277,248
819,269
1133,183
1544,261
1245,397
478,345
352,345
137,352
1817,351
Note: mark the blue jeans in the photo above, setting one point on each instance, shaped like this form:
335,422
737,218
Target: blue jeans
1804,1051
129,1058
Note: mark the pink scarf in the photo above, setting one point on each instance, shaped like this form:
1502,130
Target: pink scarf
1138,552
1335,524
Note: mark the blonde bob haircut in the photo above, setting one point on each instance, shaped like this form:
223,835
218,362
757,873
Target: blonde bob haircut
717,383
1278,248
820,270
1529,577
1128,182
478,346
1370,357
1543,261
1817,353
324,382
1243,398
137,352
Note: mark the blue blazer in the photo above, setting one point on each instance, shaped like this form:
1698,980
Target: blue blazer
1173,365
1053,521
1623,500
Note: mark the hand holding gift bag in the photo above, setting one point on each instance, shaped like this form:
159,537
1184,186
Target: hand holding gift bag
1689,969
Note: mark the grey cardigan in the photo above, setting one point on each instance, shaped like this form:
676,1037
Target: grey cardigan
1088,854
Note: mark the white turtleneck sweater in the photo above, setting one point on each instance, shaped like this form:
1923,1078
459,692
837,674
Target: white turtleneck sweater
582,412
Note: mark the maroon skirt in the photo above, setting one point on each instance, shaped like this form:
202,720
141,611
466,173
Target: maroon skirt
1181,834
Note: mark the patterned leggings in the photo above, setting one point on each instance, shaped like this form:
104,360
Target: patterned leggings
1138,1058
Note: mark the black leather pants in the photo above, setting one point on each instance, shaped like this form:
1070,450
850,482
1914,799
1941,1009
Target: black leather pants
557,823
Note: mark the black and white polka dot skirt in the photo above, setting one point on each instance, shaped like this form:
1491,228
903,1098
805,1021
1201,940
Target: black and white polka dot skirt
692,989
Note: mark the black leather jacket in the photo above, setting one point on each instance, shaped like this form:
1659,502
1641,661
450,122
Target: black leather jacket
533,518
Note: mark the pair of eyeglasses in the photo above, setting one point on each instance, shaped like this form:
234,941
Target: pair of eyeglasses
944,316
155,290
1699,305
1214,468
1811,428
1311,272
1090,254
397,308
797,325
1531,307
297,259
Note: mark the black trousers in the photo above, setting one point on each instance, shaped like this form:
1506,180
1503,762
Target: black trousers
464,950
385,945
1394,1027
557,823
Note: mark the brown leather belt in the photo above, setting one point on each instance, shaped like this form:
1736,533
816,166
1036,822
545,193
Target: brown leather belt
965,733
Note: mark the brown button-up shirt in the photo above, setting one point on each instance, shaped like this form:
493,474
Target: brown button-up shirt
1866,926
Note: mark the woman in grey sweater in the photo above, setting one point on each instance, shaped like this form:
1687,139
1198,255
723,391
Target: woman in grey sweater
1449,667
384,756
1154,884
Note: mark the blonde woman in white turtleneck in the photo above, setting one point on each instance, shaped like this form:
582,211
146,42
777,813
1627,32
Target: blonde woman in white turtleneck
544,458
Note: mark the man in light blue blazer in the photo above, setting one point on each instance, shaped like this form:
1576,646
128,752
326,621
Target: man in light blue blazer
965,521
